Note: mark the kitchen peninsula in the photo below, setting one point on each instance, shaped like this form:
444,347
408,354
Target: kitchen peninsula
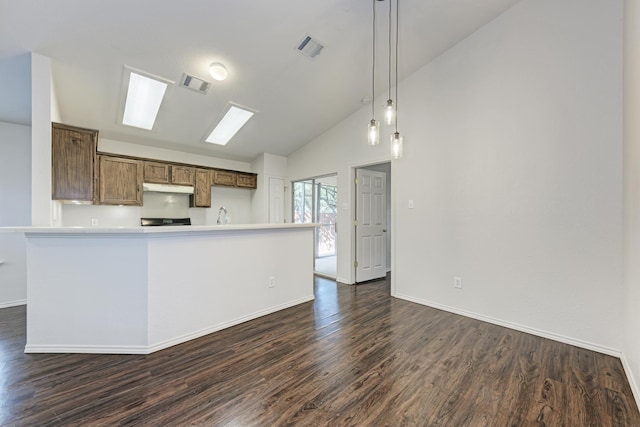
136,290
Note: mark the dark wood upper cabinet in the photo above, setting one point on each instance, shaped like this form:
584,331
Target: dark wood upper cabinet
157,173
201,197
80,173
183,175
120,181
221,177
73,152
247,180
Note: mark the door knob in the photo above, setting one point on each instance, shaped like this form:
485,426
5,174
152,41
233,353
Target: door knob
384,230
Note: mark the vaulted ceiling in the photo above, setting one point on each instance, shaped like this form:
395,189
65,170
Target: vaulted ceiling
90,41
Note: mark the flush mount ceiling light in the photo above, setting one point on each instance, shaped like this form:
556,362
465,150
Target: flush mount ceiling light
144,96
233,120
218,71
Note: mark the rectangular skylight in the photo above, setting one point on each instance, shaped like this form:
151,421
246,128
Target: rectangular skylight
230,124
144,97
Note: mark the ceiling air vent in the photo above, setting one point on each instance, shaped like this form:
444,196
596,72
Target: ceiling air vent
194,83
309,47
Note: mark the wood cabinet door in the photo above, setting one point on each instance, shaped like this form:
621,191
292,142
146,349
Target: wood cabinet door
120,181
221,177
201,197
157,173
182,175
247,180
73,153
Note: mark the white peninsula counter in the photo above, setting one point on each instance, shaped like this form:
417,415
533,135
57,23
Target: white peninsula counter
141,289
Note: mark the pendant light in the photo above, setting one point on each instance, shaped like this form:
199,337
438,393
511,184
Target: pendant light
373,137
389,109
396,139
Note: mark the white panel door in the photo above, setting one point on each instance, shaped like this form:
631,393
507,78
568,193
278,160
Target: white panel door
276,200
371,209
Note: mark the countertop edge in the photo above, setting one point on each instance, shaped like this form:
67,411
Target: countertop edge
40,230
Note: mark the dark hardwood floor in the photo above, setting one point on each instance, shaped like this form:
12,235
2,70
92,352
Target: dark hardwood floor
355,356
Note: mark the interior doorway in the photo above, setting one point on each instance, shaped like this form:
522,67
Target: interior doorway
372,222
316,200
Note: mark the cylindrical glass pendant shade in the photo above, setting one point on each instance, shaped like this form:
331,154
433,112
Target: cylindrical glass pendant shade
374,132
396,145
389,113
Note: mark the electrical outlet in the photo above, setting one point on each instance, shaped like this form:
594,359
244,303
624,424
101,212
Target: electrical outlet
94,222
272,281
457,282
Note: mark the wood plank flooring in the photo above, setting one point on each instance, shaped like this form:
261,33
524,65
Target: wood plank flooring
354,357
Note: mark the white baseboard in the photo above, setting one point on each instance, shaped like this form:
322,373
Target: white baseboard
635,387
324,275
343,281
161,345
533,331
97,349
13,303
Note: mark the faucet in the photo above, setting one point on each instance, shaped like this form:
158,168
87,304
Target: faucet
222,209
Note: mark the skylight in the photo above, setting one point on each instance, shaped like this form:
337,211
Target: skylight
144,97
230,124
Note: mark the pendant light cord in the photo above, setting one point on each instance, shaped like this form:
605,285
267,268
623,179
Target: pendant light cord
390,2
373,67
397,26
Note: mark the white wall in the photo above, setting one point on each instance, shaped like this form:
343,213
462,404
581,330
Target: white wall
259,213
126,148
520,165
41,203
266,166
13,269
631,287
15,210
15,174
15,87
513,157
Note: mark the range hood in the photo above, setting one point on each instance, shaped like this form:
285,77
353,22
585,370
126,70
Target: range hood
166,188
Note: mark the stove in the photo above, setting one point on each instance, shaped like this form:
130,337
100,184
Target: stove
160,222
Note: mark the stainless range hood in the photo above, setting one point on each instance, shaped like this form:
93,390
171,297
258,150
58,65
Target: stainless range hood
166,188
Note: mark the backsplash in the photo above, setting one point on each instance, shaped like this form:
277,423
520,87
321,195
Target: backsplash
102,216
165,205
237,202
